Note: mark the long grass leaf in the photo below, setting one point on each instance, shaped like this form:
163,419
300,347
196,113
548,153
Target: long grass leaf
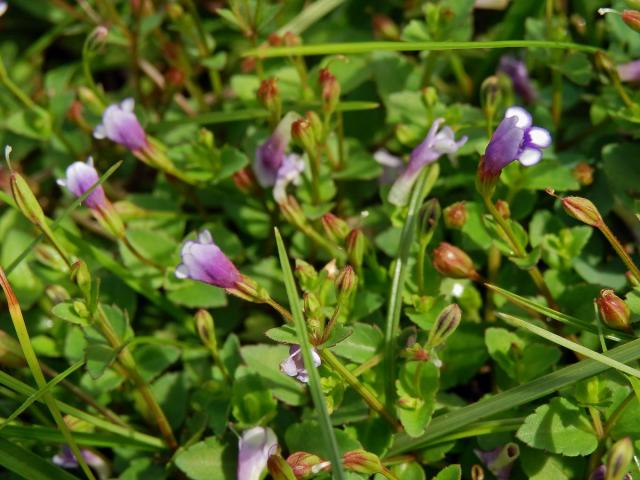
310,15
305,347
28,465
523,394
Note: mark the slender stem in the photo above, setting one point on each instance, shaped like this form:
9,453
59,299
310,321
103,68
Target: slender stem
622,253
321,241
422,252
281,310
493,268
424,183
367,395
363,367
129,364
609,424
139,255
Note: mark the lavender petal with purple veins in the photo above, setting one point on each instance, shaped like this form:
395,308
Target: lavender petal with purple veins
202,260
514,139
255,447
120,125
271,154
289,172
516,70
79,178
500,460
435,144
293,365
629,72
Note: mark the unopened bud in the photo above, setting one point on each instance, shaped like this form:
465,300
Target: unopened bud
290,39
356,247
477,472
603,62
452,262
316,125
279,468
56,294
244,180
330,90
429,216
455,215
335,228
292,211
311,304
305,272
82,277
446,323
614,311
269,96
274,39
97,38
632,19
25,200
361,461
384,27
49,256
579,23
429,96
206,328
346,281
302,133
583,210
503,209
305,465
620,457
10,352
583,172
500,460
331,269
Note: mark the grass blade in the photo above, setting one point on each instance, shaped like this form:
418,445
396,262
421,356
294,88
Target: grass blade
305,348
310,15
424,184
367,47
609,333
538,388
563,342
21,461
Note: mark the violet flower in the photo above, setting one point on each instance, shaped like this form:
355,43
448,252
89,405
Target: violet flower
255,447
516,70
202,260
289,172
500,460
120,125
4,6
79,178
66,459
391,165
514,139
435,144
629,72
293,365
600,473
270,156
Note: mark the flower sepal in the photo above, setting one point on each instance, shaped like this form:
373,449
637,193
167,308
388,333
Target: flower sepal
248,289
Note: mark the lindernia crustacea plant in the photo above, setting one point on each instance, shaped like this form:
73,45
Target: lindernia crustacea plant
66,459
517,71
255,447
272,166
435,144
293,365
79,178
514,139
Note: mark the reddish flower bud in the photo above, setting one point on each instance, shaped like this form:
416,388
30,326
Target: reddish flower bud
614,312
330,90
455,215
274,39
503,209
346,281
384,27
244,180
302,132
362,461
248,64
335,228
175,77
305,465
446,323
583,172
290,39
632,19
269,95
356,246
452,262
583,210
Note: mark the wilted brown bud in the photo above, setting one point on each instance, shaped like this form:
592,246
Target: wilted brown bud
10,352
248,64
583,172
330,90
503,209
332,270
335,228
583,210
452,262
455,215
305,465
614,311
384,27
362,461
302,133
579,23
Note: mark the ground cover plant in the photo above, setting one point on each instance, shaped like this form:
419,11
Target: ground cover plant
319,239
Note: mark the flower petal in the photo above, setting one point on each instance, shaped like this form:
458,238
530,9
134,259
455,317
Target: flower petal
523,117
540,137
530,156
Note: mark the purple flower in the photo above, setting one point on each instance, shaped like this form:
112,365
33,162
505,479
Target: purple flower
629,72
120,125
500,460
270,156
80,177
289,172
391,165
66,459
255,447
435,144
3,7
293,365
517,71
202,260
514,139
600,473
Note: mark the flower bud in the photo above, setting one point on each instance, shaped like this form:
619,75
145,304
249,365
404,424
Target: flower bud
583,210
311,304
97,38
292,211
356,247
10,352
279,468
583,172
316,125
56,294
503,209
269,96
429,216
302,133
244,180
290,39
614,311
452,262
25,200
331,270
50,257
455,215
335,228
305,465
620,457
330,91
206,328
346,281
384,27
361,461
82,277
446,323
632,19
305,272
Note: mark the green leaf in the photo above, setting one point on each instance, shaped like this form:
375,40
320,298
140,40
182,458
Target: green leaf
67,312
361,345
452,472
153,358
539,465
284,334
208,460
559,427
307,437
417,386
252,401
529,261
26,464
98,357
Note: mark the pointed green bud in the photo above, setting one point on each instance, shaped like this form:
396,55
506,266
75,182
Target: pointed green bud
292,212
428,217
311,304
56,294
306,274
206,328
614,311
356,247
279,468
361,461
583,210
10,352
316,125
446,323
335,228
25,200
302,133
620,456
81,276
346,281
